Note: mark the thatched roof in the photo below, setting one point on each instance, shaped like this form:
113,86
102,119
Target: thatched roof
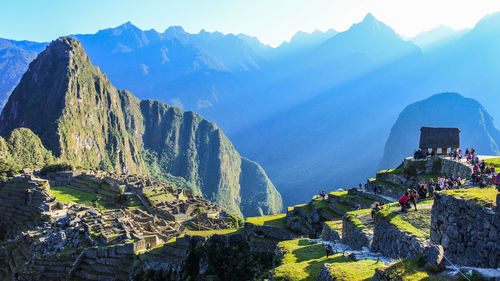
437,137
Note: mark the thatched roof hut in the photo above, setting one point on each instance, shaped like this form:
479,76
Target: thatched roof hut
438,137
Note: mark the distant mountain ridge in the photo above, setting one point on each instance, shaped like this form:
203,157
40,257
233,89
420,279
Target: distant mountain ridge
477,127
81,118
14,59
318,116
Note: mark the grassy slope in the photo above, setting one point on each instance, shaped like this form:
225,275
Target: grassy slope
482,196
408,270
493,161
272,220
303,261
66,194
213,232
413,222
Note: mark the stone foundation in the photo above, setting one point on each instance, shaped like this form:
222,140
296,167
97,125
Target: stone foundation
468,232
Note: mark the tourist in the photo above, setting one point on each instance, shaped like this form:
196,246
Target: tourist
414,198
323,195
487,171
467,153
403,201
493,172
460,154
472,151
482,166
431,190
358,207
375,208
327,252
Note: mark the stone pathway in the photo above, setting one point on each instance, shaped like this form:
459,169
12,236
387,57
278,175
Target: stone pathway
388,198
364,254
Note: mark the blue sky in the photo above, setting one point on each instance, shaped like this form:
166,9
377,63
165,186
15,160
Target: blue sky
272,21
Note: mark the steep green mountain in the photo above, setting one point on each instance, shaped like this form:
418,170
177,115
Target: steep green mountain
22,149
477,127
84,120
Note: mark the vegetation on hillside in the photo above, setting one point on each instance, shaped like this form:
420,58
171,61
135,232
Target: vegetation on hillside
22,149
303,260
483,196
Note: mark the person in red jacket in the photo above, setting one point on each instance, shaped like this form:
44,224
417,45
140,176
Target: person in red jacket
403,201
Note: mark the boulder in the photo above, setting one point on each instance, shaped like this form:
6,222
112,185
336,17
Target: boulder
433,257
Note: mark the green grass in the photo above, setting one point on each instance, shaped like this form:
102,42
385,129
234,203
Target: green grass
305,207
67,194
353,219
338,193
493,161
207,233
304,260
483,196
334,224
397,171
408,270
431,176
412,222
278,220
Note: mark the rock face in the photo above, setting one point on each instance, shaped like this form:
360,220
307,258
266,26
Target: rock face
79,116
477,127
468,232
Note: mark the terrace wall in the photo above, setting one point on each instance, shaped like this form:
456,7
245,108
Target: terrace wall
468,232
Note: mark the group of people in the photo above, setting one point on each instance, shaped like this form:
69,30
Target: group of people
422,154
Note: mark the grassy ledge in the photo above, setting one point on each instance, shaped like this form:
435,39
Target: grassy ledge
207,233
278,220
483,196
413,222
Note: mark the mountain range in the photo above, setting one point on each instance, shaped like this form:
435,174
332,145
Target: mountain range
315,112
82,119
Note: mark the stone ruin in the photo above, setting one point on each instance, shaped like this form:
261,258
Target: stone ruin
156,197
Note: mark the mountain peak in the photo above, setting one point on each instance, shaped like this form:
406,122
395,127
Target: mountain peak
175,29
370,18
65,47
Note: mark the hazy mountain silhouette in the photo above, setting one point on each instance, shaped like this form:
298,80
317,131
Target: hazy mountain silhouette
442,110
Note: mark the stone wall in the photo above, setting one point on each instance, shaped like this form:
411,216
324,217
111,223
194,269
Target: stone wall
354,236
393,242
444,166
468,232
329,234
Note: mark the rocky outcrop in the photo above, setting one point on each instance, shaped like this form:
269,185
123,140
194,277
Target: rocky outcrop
468,232
393,242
